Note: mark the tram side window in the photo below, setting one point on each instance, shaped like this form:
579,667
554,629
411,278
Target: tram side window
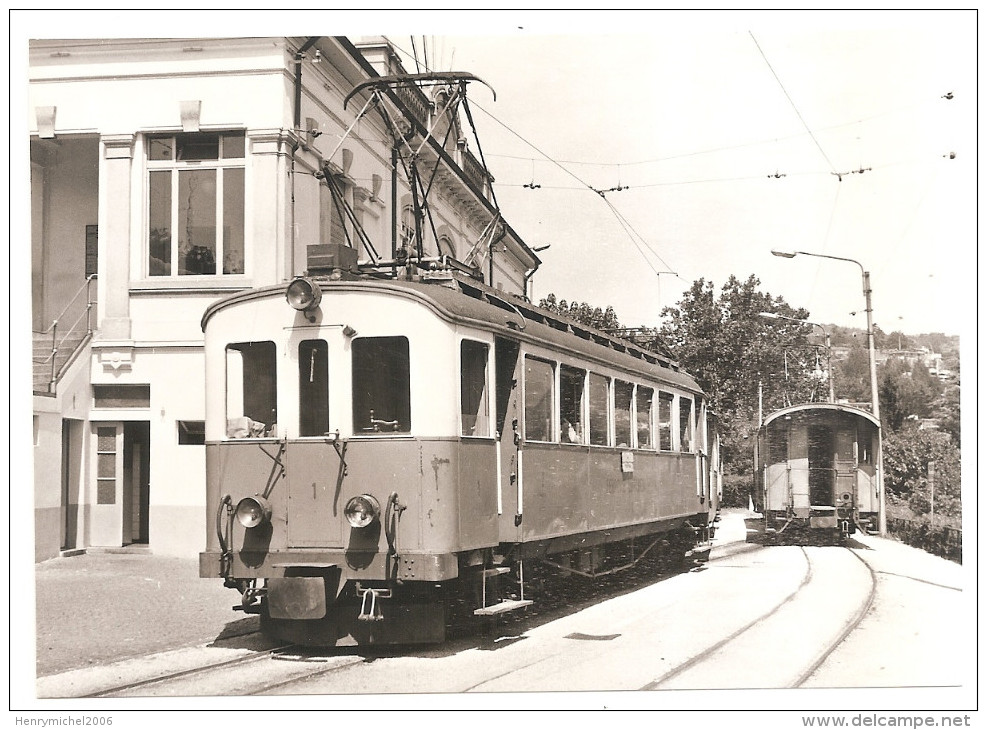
686,426
777,445
664,421
474,400
381,385
572,382
251,390
599,410
539,379
645,400
313,388
622,396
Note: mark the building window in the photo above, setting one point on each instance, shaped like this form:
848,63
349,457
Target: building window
251,390
313,388
196,204
121,396
572,382
106,465
191,433
539,381
474,403
381,385
446,247
599,410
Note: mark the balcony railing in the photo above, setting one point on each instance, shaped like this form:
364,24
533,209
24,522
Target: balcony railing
420,107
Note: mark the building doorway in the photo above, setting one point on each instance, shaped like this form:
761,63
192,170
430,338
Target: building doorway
137,484
72,453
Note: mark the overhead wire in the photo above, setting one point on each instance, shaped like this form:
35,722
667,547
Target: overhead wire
629,229
792,102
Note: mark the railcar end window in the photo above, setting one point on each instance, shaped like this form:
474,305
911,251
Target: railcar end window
645,399
599,410
572,382
686,426
313,388
539,381
622,396
381,385
474,400
664,421
251,389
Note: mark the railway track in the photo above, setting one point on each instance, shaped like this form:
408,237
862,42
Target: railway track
803,604
251,674
790,640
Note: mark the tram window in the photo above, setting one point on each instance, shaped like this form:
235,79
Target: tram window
777,445
474,401
645,399
664,421
313,388
572,382
539,381
251,389
622,396
381,385
685,424
865,439
599,410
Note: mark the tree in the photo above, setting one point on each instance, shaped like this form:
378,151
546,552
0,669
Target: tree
905,394
907,455
582,312
741,359
852,376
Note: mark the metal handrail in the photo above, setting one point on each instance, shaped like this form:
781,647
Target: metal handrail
86,285
53,327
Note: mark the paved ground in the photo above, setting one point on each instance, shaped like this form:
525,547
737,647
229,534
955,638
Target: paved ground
101,607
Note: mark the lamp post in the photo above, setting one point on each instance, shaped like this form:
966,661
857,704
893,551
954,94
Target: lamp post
829,349
875,406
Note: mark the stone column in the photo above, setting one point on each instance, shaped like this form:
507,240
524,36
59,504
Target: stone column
115,237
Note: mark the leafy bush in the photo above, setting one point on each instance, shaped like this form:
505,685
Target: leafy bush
736,490
933,536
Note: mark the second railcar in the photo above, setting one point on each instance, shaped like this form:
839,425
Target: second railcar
816,466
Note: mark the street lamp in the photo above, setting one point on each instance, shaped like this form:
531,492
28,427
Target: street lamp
829,349
875,406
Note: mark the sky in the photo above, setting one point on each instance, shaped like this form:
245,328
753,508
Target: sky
828,135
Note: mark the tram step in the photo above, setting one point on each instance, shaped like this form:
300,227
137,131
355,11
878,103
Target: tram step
502,607
490,572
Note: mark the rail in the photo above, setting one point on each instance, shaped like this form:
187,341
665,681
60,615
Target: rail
71,331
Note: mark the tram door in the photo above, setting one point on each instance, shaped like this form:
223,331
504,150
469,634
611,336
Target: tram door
509,452
845,466
821,465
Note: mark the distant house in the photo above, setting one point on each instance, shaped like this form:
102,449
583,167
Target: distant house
166,173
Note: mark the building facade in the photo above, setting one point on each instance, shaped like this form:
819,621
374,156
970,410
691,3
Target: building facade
167,173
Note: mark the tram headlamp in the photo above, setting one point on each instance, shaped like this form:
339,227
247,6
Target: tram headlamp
304,294
362,511
253,511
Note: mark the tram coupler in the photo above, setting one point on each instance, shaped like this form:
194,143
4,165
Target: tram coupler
369,607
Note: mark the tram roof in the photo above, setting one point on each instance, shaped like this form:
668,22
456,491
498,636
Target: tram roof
472,303
831,407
